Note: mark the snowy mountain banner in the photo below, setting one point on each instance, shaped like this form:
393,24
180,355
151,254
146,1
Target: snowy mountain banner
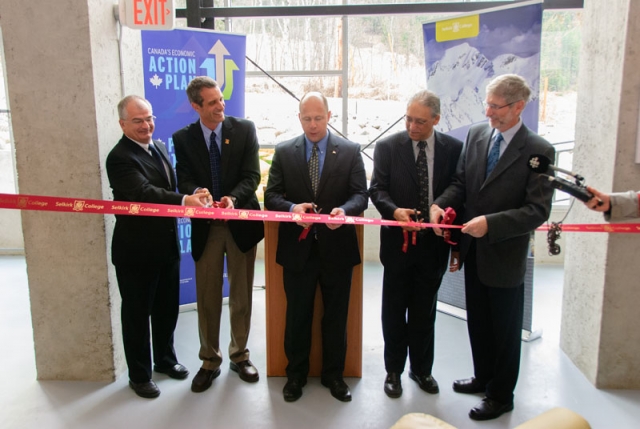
463,54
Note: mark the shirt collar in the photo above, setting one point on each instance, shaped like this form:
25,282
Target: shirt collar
207,132
322,143
511,132
431,140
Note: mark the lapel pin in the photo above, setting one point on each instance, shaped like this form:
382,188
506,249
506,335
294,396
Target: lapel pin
226,141
334,152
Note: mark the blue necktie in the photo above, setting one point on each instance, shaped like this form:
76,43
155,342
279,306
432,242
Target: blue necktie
215,161
494,154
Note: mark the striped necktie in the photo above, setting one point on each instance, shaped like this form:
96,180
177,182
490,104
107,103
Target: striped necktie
314,169
423,178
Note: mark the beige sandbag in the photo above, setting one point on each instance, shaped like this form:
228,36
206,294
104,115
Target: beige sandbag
556,418
420,421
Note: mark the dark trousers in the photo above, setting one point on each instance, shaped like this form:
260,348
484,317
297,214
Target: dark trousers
494,321
300,289
409,299
150,290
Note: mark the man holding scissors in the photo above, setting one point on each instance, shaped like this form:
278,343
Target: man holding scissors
317,172
411,168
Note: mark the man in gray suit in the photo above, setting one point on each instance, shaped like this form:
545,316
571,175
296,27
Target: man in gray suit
414,260
504,203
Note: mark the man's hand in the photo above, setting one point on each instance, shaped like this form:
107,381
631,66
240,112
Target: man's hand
404,215
335,212
303,208
454,261
435,216
226,202
198,200
208,199
601,202
476,227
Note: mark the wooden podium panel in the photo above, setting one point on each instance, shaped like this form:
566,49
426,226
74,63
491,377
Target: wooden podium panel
276,303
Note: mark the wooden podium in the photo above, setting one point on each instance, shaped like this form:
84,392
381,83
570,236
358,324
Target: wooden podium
276,303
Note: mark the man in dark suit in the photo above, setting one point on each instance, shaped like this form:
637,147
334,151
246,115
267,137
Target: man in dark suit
414,260
321,172
220,154
504,202
145,250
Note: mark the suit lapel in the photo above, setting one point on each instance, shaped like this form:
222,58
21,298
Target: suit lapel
440,152
330,160
144,156
300,162
482,141
227,141
408,158
199,146
165,156
510,155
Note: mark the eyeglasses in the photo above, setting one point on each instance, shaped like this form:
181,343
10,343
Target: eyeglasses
140,121
418,122
496,107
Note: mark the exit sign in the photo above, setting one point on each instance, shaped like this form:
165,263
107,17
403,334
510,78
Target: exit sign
147,14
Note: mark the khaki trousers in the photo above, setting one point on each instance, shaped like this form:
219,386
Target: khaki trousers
209,280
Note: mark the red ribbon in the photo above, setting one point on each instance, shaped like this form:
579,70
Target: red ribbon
85,205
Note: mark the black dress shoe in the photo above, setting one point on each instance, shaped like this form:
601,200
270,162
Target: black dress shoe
469,385
146,389
293,389
245,370
203,379
392,385
489,409
426,382
177,371
338,388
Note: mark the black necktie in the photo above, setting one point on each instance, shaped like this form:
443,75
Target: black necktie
157,159
423,178
216,173
314,169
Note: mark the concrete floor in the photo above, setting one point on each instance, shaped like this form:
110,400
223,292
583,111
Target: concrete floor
547,379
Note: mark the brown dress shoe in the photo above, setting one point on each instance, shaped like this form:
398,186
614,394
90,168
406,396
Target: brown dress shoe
245,370
393,385
203,379
469,385
489,409
426,382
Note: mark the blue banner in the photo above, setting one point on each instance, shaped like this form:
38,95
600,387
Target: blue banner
463,54
171,59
